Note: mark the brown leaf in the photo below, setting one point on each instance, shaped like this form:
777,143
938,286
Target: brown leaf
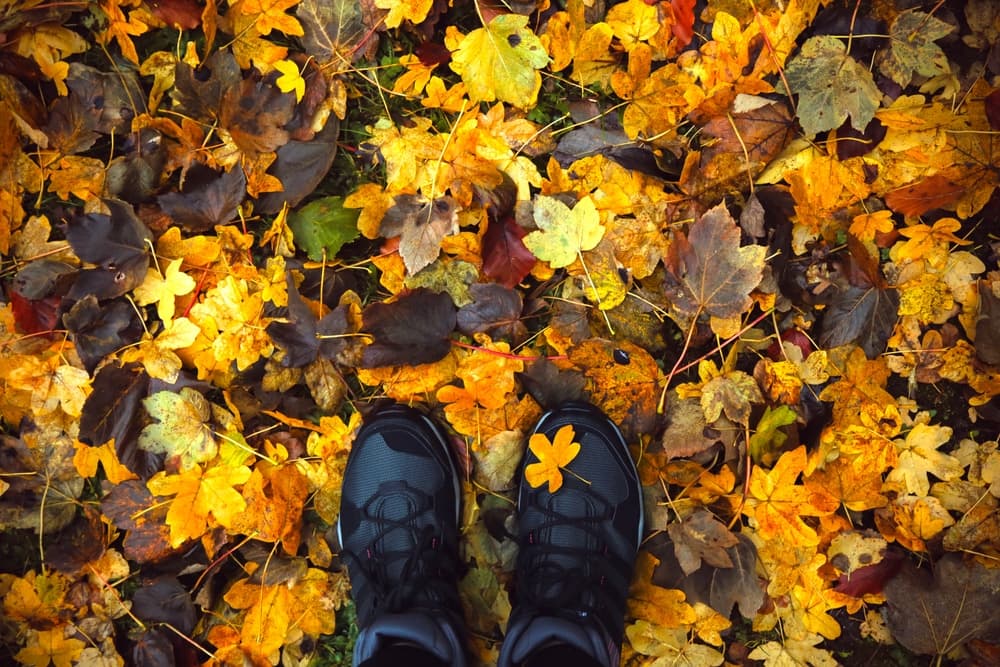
130,506
861,316
935,612
708,271
736,148
700,537
988,325
421,225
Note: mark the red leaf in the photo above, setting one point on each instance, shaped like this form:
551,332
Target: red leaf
184,14
34,316
993,109
683,26
926,195
871,578
505,257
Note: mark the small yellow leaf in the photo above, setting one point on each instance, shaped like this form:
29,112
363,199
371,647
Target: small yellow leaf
551,457
290,79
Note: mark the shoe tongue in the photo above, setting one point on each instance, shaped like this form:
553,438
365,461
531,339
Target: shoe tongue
395,539
545,631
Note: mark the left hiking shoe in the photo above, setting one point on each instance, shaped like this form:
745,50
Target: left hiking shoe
398,531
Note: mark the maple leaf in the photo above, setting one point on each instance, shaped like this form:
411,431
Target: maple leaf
200,499
333,31
57,646
163,289
912,49
777,504
831,86
563,233
291,79
935,612
670,646
499,61
700,536
414,329
918,456
708,271
421,225
794,651
552,455
182,429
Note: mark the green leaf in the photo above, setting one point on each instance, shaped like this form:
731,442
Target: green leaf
563,233
831,86
912,49
323,224
768,438
182,429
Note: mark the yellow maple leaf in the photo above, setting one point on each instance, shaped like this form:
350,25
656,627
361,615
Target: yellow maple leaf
563,233
268,15
922,240
120,28
777,504
87,459
487,379
416,77
201,499
919,455
867,225
158,354
438,96
57,646
291,79
414,11
664,607
499,61
164,289
48,44
552,456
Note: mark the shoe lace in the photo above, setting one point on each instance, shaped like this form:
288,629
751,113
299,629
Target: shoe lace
554,586
427,573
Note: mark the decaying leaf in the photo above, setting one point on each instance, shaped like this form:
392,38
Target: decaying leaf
934,610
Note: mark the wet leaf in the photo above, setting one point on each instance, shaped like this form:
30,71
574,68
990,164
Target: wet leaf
551,457
862,316
117,243
496,311
505,257
421,226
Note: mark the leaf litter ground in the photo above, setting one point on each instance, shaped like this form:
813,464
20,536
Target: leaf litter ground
756,235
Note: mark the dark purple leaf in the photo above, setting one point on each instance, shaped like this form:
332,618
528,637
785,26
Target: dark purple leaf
861,316
496,312
211,204
98,330
153,649
165,600
114,410
415,329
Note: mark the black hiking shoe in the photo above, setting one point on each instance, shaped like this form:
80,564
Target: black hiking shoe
577,545
398,529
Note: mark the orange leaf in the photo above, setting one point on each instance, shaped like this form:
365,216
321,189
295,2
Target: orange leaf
551,457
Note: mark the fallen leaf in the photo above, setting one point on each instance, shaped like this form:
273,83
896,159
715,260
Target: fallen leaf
934,611
912,50
500,61
182,430
708,271
415,329
421,225
214,201
551,457
701,537
563,233
323,226
831,86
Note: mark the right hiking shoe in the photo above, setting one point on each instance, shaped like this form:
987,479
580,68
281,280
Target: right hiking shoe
398,531
577,545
